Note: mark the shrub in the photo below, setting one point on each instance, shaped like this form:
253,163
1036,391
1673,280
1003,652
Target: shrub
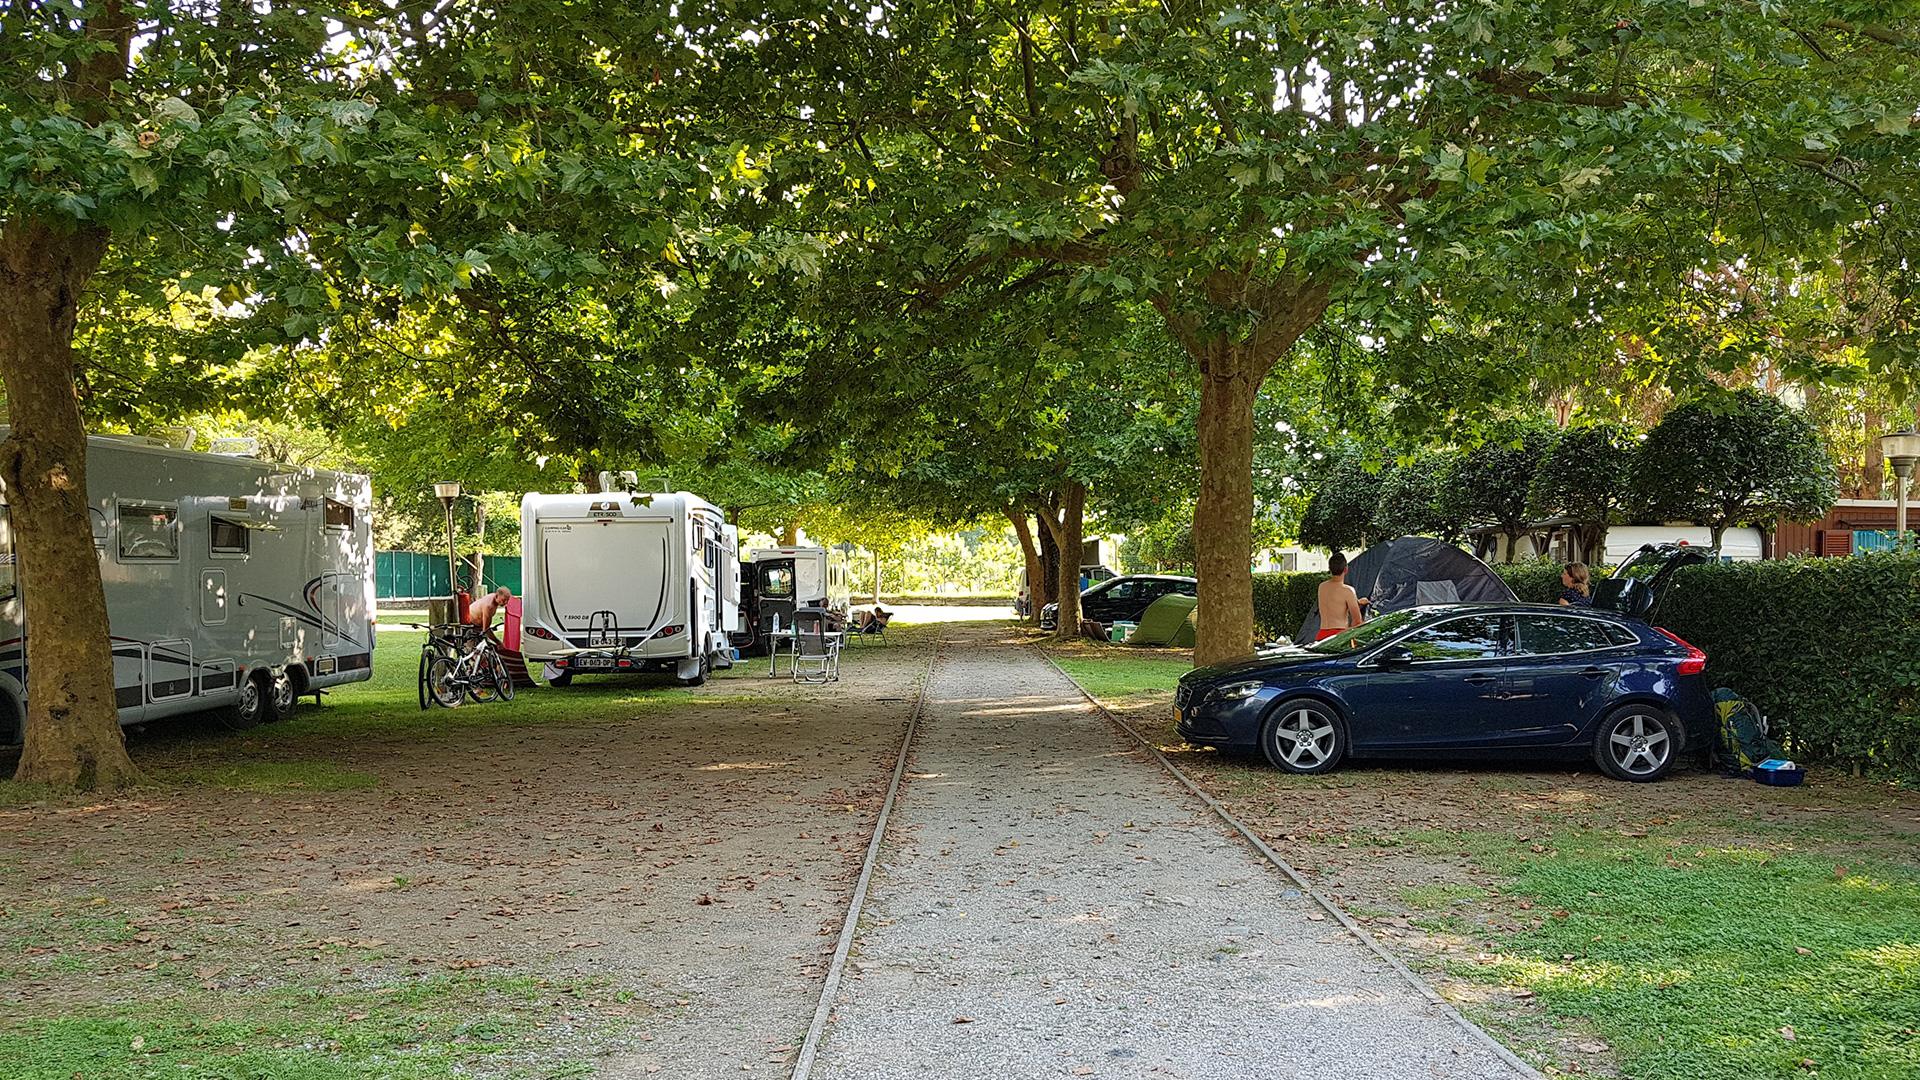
1828,648
1281,602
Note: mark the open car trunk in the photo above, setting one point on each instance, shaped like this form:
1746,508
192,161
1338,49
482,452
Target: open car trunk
1638,586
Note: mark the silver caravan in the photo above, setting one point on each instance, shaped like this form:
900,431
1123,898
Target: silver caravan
624,581
231,583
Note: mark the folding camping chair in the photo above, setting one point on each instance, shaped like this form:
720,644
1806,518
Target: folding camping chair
816,649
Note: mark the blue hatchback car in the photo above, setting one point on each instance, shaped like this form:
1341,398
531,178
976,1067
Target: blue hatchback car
1470,679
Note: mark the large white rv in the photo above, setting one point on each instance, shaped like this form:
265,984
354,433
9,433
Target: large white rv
231,583
625,581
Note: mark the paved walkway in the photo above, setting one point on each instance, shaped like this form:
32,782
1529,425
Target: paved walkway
1050,903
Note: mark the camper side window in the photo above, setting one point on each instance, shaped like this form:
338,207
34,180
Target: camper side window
146,531
339,515
228,537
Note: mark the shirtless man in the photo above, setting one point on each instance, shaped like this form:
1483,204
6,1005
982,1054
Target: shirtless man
1339,604
480,613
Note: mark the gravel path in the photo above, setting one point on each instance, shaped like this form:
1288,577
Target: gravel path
1051,904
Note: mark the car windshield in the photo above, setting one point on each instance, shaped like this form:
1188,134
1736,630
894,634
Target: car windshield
1367,634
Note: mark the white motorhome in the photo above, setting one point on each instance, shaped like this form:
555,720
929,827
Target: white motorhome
231,583
785,578
624,581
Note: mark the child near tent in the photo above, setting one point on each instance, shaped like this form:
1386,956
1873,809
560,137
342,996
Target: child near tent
1340,606
1577,592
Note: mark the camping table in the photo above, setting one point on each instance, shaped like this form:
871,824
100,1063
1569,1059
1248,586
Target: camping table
775,637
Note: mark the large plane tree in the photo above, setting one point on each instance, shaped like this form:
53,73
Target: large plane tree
1250,169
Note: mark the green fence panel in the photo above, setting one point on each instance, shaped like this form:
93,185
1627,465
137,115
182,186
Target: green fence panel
420,575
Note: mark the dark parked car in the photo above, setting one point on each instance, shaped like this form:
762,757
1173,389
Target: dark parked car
1122,598
1473,679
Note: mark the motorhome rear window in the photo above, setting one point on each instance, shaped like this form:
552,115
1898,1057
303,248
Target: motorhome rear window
778,582
146,531
229,537
339,515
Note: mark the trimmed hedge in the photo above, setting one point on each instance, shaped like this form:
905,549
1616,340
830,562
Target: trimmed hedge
1828,648
1281,602
1537,581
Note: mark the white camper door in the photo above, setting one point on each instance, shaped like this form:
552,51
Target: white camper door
810,578
622,566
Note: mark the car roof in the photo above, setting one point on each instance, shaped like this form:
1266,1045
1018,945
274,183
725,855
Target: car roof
1152,577
1516,607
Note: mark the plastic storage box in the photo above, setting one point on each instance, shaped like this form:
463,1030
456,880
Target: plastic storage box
1776,773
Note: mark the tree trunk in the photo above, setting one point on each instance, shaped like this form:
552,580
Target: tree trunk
790,536
72,735
1223,516
1043,587
1231,371
1073,505
1719,532
876,579
1031,555
589,477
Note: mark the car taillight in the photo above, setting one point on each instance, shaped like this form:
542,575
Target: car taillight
668,631
1696,661
543,633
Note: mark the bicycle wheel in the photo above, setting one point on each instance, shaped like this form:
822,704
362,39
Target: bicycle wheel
443,682
502,682
478,672
426,655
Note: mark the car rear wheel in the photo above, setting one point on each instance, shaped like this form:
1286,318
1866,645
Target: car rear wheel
1638,743
1303,737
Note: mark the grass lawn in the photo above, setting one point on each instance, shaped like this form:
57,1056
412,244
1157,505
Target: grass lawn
1695,928
1119,675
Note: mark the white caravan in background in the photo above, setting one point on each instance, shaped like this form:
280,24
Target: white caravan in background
785,578
231,583
624,581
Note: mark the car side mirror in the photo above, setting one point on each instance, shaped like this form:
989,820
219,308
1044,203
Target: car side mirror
1393,656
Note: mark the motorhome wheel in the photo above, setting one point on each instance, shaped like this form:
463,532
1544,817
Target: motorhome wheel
283,697
249,706
701,669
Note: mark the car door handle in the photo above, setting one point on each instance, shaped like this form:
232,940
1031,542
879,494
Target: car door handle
1482,680
1593,673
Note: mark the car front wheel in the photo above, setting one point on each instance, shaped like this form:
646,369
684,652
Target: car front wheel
1637,743
1303,737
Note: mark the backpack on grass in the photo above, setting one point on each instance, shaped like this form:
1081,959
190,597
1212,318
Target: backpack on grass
1744,741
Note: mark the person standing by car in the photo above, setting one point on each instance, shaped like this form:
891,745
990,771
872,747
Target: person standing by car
1577,592
1340,606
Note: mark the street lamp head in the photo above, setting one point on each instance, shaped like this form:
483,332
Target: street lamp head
1901,449
446,492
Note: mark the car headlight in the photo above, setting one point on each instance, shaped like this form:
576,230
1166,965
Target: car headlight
1240,691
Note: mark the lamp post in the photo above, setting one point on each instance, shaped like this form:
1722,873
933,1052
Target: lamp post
1901,449
447,492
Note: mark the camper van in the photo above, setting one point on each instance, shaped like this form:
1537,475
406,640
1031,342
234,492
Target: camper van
784,578
232,584
625,581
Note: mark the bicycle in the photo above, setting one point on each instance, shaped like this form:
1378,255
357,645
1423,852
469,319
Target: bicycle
460,662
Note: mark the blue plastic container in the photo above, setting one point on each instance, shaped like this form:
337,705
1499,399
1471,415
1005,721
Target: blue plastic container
1776,773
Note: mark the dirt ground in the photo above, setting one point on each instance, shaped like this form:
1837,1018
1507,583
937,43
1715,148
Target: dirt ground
659,892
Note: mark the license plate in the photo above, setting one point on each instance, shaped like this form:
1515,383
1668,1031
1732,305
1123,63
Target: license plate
586,662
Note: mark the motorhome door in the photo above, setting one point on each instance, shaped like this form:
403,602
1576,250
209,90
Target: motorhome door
620,565
775,589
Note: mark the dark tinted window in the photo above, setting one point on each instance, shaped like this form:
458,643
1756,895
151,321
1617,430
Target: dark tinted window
1123,590
777,582
1544,635
1620,635
339,515
229,537
1473,637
